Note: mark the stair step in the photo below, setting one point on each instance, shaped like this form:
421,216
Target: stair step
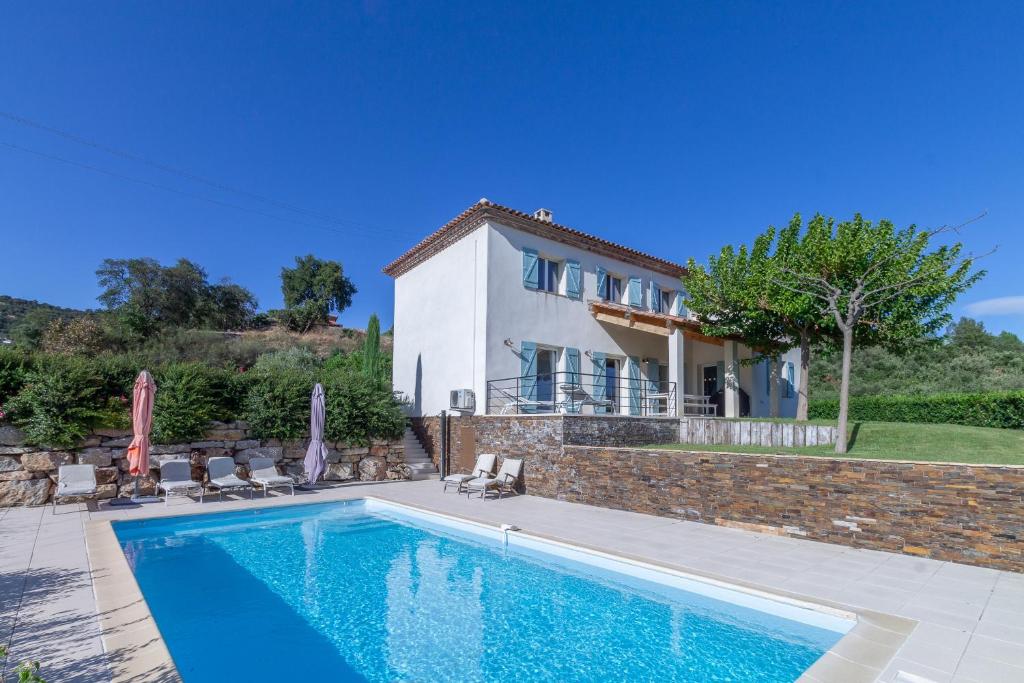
421,465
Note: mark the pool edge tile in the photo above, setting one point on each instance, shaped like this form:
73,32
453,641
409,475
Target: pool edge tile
134,646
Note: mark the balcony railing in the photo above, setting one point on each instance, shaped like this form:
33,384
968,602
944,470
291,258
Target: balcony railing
575,392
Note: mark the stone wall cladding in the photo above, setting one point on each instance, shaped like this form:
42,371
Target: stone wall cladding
28,474
586,430
973,514
962,513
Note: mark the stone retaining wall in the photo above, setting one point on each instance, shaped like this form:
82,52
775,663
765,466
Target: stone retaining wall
28,474
963,513
712,430
972,514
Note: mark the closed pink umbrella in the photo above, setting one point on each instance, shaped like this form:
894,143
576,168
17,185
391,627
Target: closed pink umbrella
143,396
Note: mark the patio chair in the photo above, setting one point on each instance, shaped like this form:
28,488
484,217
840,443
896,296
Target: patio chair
517,404
74,480
222,477
504,482
263,473
176,480
483,468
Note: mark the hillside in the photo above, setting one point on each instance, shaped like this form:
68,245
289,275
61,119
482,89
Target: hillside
13,310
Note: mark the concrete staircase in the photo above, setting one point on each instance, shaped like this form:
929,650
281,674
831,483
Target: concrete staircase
417,459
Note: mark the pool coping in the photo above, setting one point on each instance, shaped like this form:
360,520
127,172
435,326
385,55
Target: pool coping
137,651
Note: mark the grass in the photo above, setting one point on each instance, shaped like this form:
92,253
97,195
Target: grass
907,441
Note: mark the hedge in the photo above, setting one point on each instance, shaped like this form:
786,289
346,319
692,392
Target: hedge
995,409
58,400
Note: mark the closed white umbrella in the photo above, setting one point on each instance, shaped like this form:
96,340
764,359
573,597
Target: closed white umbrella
316,454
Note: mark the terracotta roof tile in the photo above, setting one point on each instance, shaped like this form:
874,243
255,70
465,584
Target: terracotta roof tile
484,209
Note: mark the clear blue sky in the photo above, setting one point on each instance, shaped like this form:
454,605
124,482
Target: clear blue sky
672,128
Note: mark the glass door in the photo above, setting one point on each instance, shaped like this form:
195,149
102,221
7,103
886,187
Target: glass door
546,364
611,384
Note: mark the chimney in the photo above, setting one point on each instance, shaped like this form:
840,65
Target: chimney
543,215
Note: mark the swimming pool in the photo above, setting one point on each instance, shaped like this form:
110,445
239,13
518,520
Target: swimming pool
367,590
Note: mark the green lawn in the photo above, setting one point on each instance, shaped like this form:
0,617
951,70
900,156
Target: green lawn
908,441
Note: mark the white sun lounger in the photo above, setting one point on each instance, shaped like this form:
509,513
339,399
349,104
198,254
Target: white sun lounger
74,480
176,480
222,476
504,482
483,468
262,472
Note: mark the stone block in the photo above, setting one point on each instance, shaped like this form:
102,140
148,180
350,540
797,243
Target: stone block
112,433
333,456
162,449
122,442
90,441
16,475
106,475
9,463
379,450
356,450
15,450
25,492
247,443
341,471
103,492
227,434
101,457
206,444
372,468
156,460
276,453
45,461
398,472
11,436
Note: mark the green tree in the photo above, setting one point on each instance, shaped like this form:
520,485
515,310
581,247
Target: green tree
312,289
880,285
737,295
147,296
371,350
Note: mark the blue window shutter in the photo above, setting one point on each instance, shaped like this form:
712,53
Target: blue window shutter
633,365
636,292
573,282
602,279
789,380
572,370
528,373
768,374
531,278
653,376
654,297
721,376
599,380
678,308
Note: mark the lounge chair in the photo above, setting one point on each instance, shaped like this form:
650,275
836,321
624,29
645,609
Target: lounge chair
222,477
504,482
262,472
483,468
176,480
74,480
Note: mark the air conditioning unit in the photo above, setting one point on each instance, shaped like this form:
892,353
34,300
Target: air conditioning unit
462,399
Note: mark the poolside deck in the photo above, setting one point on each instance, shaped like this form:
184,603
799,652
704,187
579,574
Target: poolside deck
971,619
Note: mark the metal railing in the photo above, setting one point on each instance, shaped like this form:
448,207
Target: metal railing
576,392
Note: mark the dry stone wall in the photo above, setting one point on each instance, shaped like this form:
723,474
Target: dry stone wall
28,474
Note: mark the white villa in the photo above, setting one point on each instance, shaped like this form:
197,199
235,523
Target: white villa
529,316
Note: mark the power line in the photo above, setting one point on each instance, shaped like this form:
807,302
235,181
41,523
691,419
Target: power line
167,168
147,183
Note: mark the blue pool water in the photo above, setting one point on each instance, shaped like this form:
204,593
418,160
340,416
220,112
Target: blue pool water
349,592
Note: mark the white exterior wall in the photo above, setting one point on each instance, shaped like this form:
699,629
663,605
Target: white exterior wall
554,320
454,311
440,318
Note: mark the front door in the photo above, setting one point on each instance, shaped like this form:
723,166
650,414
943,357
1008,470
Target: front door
710,380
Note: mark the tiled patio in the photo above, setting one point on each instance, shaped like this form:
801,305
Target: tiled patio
971,619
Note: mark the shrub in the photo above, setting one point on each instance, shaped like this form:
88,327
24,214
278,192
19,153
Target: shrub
83,335
995,409
297,359
276,403
186,402
60,403
14,367
360,409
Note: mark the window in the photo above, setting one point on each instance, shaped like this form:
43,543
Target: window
546,359
664,301
612,289
547,275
